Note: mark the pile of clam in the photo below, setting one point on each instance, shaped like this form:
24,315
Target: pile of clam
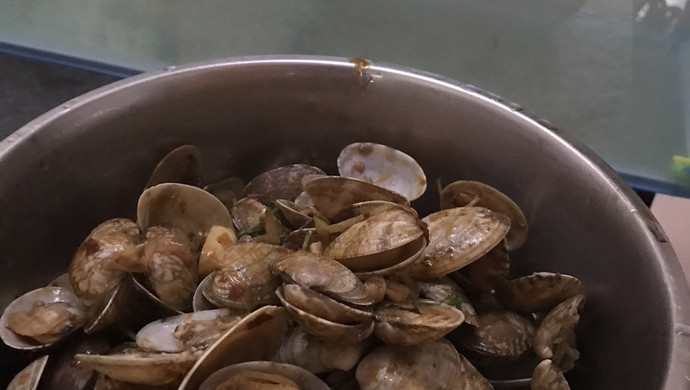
300,280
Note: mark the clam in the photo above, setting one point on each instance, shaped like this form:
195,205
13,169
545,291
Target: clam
297,215
263,375
218,240
458,237
28,378
547,376
199,301
487,272
383,166
498,334
257,336
245,253
170,265
245,281
186,332
329,277
415,322
280,183
322,306
371,207
475,194
316,356
190,209
334,195
352,332
103,258
246,214
445,290
377,242
537,292
181,165
401,290
555,337
41,318
134,366
435,365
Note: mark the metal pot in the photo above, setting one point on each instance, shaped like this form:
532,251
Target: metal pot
88,160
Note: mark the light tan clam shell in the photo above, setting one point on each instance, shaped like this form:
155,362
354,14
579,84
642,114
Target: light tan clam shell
327,276
303,379
407,257
415,322
185,207
141,367
547,376
322,306
376,242
555,337
458,237
435,365
326,330
335,195
103,258
247,252
258,336
499,334
48,313
316,356
473,193
244,287
186,332
383,166
537,292
28,378
218,240
280,183
181,165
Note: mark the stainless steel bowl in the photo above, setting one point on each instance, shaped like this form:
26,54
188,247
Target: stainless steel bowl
88,160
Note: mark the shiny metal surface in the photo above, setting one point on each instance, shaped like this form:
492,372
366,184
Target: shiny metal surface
87,161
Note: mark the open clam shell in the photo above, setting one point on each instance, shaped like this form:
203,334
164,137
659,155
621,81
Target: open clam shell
326,330
431,365
498,334
371,207
181,165
547,376
415,322
47,314
375,242
472,193
280,183
334,195
407,257
257,336
141,367
537,292
246,214
299,376
188,208
322,306
186,332
487,272
28,378
458,237
316,356
384,166
555,337
327,276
